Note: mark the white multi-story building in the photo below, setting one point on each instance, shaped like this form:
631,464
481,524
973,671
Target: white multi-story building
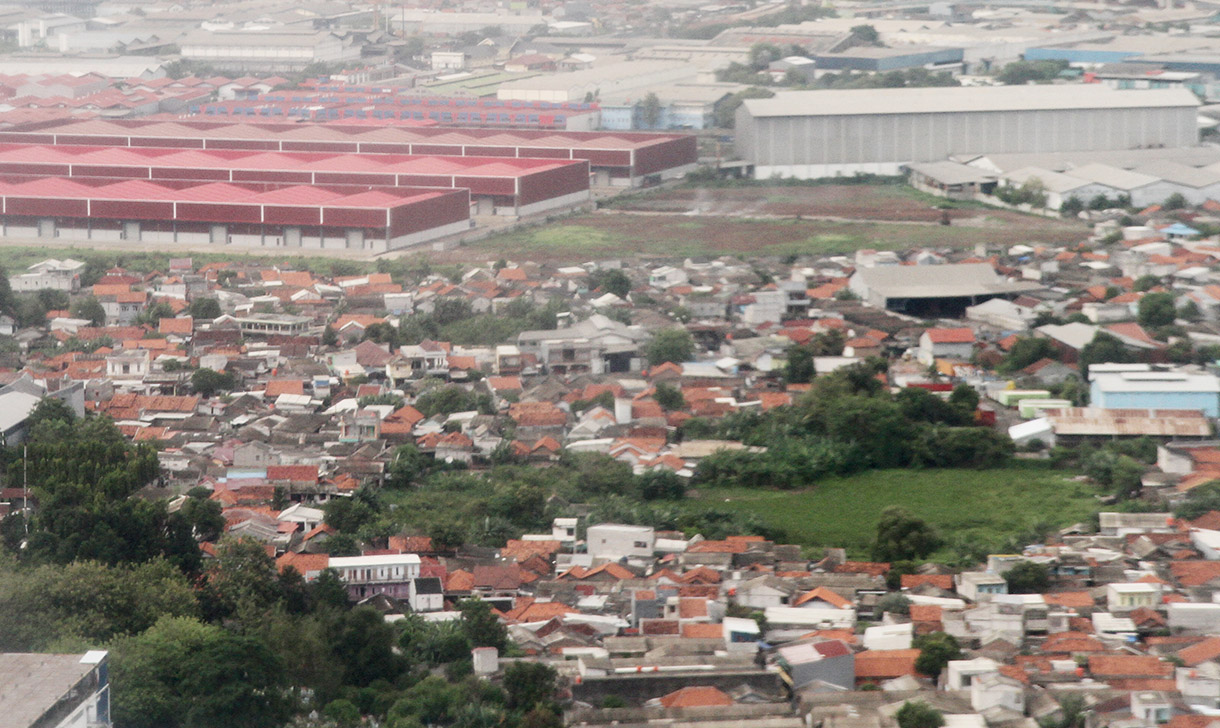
389,574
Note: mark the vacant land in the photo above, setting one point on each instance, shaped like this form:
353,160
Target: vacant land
892,202
983,506
795,220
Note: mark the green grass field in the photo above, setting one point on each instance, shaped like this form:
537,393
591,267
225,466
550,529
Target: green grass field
989,506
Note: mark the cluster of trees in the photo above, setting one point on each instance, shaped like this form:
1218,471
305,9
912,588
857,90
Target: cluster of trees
1073,206
670,345
1019,73
1031,192
905,78
454,320
846,423
455,506
82,473
1116,466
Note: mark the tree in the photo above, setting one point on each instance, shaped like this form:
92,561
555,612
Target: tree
208,382
446,535
935,652
1176,201
1027,577
1145,282
670,345
241,579
181,673
1157,310
650,111
1104,348
205,308
155,313
866,34
50,409
90,309
1071,207
1025,351
30,311
329,337
348,515
480,626
726,111
893,604
529,684
8,304
918,714
669,397
611,281
363,643
343,713
798,366
965,398
903,537
1189,311
87,601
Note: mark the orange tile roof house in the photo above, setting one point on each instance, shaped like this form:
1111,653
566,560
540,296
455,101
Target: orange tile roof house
695,697
879,665
946,343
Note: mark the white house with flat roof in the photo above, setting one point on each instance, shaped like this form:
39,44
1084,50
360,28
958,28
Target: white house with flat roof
614,541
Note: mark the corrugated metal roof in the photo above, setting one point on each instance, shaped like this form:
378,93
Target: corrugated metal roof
337,132
861,102
60,188
279,161
1128,422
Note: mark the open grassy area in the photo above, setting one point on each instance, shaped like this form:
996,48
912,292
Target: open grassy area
666,234
984,505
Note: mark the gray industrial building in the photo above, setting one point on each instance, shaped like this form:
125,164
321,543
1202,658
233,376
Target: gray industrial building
810,134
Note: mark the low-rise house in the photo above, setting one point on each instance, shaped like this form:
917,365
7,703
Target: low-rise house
947,344
616,541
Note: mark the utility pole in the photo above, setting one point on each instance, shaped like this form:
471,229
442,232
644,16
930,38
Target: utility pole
25,488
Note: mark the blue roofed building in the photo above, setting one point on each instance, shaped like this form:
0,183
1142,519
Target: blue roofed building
1156,390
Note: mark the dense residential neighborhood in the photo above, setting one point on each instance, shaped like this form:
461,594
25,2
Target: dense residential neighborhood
540,441
531,364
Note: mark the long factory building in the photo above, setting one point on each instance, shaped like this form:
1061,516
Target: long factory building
614,158
811,134
251,215
301,185
497,185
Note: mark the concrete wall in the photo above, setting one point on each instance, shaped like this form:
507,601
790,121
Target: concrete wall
639,688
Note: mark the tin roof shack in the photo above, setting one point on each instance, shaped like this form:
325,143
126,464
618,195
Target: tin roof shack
1073,425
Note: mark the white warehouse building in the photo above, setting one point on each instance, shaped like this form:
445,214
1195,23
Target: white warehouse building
811,134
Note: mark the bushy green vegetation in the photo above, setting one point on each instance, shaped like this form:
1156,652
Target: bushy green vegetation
1019,73
454,321
845,424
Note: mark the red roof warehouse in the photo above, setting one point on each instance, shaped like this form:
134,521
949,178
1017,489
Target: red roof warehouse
511,186
226,213
621,158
